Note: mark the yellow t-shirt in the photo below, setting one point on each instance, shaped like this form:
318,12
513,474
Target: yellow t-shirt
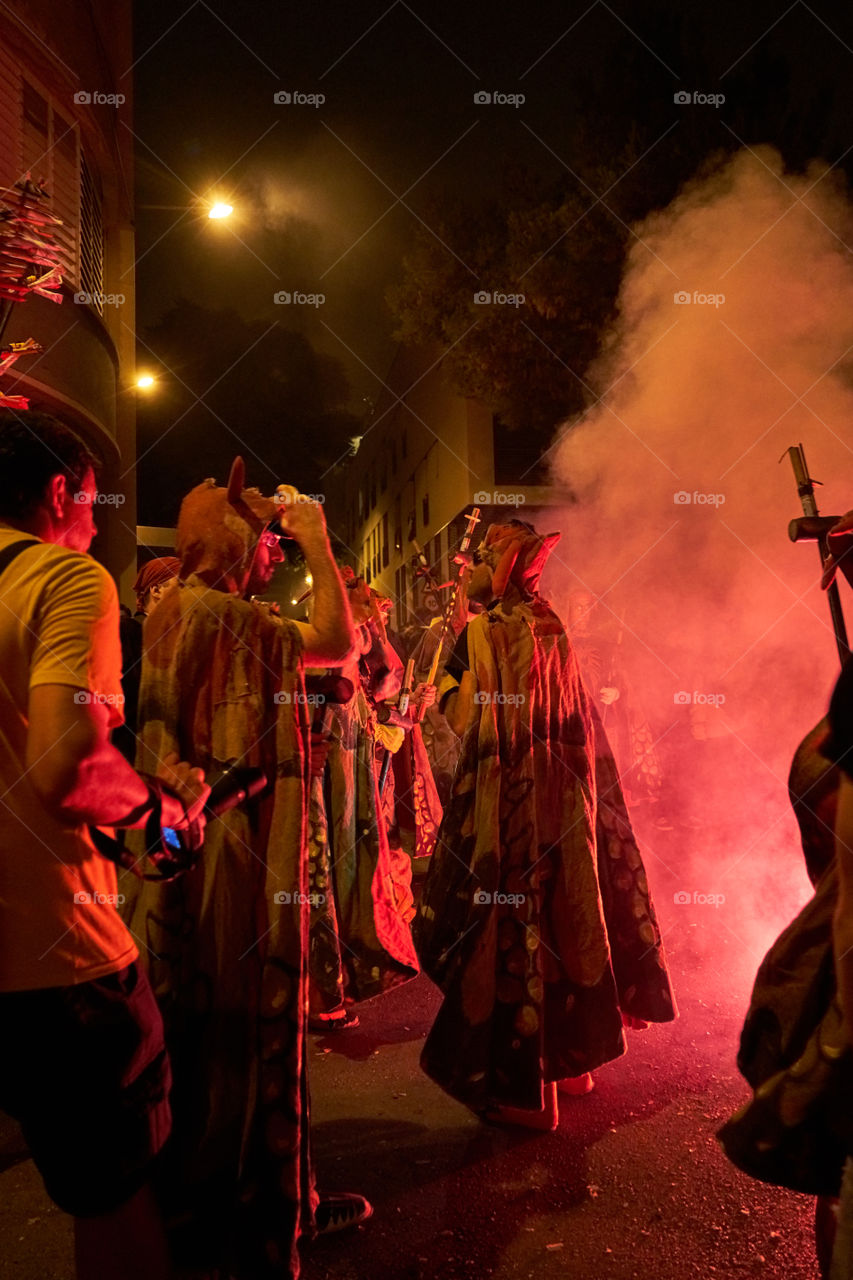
58,896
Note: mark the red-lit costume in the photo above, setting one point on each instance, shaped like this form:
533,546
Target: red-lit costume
536,920
226,945
794,1050
360,884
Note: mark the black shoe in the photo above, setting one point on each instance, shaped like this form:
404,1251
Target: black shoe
339,1210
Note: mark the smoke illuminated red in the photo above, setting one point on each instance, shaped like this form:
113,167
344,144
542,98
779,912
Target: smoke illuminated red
733,340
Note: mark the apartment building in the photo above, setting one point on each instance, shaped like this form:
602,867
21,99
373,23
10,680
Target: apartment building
65,116
427,456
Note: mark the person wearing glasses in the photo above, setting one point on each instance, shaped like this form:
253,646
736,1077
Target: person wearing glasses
226,944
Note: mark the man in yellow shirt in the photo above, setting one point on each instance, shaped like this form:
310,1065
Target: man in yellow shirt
83,1069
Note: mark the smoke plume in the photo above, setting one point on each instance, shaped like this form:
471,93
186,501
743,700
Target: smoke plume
733,342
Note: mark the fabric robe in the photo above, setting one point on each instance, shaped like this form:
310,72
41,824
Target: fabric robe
226,944
536,920
361,943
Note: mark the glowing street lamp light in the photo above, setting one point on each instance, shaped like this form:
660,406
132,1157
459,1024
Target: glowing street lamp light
145,381
220,210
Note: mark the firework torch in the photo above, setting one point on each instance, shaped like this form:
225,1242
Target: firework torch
814,527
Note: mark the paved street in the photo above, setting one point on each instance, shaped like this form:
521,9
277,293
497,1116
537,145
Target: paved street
633,1185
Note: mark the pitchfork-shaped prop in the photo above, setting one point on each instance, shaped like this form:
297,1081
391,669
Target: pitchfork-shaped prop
815,527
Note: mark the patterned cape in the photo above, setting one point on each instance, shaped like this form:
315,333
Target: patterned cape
226,944
795,1051
361,944
536,920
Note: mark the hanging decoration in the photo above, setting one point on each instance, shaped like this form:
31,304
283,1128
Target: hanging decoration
29,263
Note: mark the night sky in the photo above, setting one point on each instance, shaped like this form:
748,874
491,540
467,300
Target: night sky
330,196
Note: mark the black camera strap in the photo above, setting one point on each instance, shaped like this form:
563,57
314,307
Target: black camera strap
10,553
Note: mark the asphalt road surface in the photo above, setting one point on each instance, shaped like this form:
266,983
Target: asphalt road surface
632,1185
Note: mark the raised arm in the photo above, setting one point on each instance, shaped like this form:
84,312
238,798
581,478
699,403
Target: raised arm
328,640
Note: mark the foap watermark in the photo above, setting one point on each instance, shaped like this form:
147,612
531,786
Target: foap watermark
88,697
696,899
99,299
296,299
496,98
84,899
285,499
84,98
492,298
685,99
299,699
486,499
683,298
101,499
484,899
296,98
482,699
682,498
284,898
696,699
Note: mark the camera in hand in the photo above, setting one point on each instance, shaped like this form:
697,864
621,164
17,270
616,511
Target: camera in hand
237,784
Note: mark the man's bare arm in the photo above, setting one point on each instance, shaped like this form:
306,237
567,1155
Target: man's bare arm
328,640
458,707
81,778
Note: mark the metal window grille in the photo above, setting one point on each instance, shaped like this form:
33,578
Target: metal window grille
91,238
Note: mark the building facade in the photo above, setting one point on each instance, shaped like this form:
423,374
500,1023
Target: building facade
426,458
65,117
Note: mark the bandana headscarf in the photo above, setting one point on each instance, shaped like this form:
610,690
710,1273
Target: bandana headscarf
516,554
153,574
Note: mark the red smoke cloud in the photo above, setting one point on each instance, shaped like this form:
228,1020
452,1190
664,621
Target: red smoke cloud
733,342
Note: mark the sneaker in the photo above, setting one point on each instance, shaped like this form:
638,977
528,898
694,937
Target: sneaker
339,1210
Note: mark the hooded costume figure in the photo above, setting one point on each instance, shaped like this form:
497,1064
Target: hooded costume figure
536,920
226,943
361,897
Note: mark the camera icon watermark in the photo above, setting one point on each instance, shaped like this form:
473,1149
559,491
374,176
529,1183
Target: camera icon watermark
84,899
284,898
697,699
484,899
683,98
682,498
482,98
89,697
284,298
295,98
100,499
682,298
482,699
684,899
497,499
283,698
487,298
284,498
83,299
97,99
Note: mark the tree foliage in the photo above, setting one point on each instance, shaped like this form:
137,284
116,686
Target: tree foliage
620,152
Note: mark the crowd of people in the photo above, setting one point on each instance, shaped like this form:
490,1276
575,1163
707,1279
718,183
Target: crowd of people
175,954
